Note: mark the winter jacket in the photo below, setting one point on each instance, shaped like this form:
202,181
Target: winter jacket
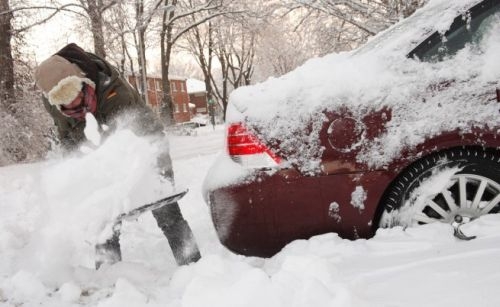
115,96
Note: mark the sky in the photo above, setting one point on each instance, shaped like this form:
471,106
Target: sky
46,39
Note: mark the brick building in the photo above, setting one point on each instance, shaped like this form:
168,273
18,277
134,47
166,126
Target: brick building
179,94
199,100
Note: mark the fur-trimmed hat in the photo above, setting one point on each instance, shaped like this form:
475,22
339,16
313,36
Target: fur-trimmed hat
60,80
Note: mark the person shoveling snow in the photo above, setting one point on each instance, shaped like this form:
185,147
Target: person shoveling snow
83,93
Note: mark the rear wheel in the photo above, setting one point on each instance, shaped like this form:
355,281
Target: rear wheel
452,186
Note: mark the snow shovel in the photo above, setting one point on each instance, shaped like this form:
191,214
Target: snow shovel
109,251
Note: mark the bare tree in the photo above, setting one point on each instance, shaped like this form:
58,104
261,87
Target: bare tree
7,34
95,11
235,46
179,17
222,91
92,10
231,41
6,59
143,19
403,8
319,27
118,28
129,29
367,16
201,45
24,126
240,40
279,52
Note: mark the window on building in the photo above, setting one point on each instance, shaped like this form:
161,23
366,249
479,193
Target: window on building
158,85
176,108
182,87
172,85
184,107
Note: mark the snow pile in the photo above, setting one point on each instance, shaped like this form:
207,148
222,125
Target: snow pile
69,205
421,96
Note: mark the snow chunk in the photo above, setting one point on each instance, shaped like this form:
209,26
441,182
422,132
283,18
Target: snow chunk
25,285
221,282
70,292
91,129
358,198
125,294
334,210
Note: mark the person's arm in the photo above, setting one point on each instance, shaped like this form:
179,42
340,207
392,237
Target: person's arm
123,99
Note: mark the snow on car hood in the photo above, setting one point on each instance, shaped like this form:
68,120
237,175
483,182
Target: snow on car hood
379,75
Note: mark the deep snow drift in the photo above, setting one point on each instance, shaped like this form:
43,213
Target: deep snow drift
52,211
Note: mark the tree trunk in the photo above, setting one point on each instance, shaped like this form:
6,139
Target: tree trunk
6,59
94,12
166,108
208,83
205,62
141,49
225,80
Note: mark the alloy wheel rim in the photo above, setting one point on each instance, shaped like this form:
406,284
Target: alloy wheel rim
465,198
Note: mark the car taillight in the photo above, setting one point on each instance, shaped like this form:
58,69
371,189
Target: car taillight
246,149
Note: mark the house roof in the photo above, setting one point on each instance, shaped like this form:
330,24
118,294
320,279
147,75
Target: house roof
195,86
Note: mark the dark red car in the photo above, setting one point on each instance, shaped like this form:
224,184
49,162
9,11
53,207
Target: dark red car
403,131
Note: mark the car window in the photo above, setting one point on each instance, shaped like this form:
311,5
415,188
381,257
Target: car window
465,29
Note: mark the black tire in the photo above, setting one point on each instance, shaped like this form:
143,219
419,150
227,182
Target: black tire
478,180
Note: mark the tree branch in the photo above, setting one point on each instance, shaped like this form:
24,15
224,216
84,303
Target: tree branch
26,8
56,10
195,24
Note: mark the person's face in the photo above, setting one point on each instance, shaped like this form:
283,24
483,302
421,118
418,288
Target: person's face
76,108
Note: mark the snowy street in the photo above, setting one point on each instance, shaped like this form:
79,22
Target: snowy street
44,265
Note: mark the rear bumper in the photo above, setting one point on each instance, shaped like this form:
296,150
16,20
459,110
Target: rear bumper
260,217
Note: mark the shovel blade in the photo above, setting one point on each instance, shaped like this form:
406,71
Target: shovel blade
109,252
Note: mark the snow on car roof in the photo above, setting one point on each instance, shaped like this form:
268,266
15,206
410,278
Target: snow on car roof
376,76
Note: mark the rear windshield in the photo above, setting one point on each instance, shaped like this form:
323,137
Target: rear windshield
465,29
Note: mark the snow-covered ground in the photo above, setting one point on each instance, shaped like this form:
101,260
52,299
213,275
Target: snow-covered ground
53,212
